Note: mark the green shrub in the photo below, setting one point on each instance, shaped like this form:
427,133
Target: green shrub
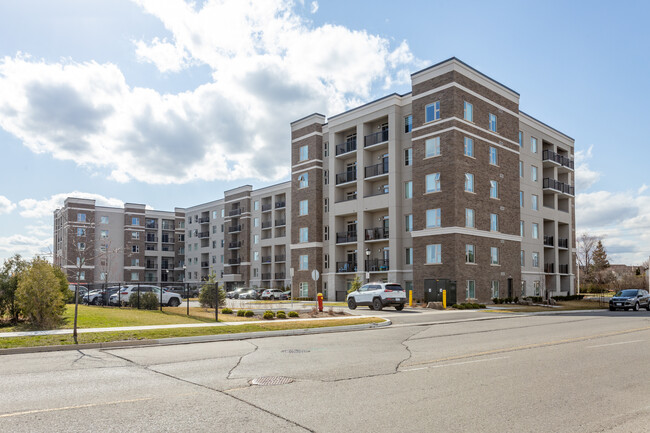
481,305
241,313
280,311
270,311
206,295
268,315
249,313
293,314
508,300
226,311
455,306
149,301
281,315
38,294
516,300
569,298
495,300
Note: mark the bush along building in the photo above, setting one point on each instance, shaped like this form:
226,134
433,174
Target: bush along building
448,187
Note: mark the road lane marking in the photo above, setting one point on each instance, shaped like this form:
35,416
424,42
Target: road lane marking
457,363
615,344
81,406
529,346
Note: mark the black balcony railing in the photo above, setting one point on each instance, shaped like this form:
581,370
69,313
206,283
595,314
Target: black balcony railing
204,264
234,229
266,276
280,258
376,233
266,259
376,265
548,241
377,169
549,268
234,261
203,235
167,239
346,176
280,204
235,212
267,224
204,220
232,245
266,207
280,276
151,225
564,269
343,237
563,243
375,138
149,265
549,155
279,223
565,188
168,266
151,239
346,266
346,147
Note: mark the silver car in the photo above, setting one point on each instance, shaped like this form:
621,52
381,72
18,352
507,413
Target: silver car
630,298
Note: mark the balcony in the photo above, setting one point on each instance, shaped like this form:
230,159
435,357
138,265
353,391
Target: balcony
548,241
167,239
149,265
564,269
267,224
280,276
205,264
376,233
376,265
168,266
234,245
266,207
203,235
346,266
234,229
551,156
348,146
151,225
556,185
280,258
563,243
151,239
266,259
204,220
377,169
347,176
280,204
266,276
234,261
235,212
549,268
375,138
345,237
280,223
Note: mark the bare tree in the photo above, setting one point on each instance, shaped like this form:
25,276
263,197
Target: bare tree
586,246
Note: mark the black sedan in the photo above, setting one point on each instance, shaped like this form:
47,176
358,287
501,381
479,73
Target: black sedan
630,298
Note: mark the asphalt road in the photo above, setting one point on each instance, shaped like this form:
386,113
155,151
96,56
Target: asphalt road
579,372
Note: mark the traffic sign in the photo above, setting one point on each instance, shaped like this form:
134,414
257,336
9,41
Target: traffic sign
315,275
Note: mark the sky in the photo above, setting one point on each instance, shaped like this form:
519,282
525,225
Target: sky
171,102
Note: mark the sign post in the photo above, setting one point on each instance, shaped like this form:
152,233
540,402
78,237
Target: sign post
291,289
314,276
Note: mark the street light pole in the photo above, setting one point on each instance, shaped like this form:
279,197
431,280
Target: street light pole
368,265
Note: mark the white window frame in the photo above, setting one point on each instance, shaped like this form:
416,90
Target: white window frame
470,253
433,218
494,189
468,111
469,182
534,202
303,262
435,178
494,222
303,207
408,222
303,180
303,153
434,254
435,111
492,123
494,255
535,231
494,156
468,149
304,234
408,189
432,147
470,218
470,291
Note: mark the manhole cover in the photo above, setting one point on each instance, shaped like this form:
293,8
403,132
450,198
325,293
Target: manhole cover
271,380
295,351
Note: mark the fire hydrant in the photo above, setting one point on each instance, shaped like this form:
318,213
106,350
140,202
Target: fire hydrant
320,302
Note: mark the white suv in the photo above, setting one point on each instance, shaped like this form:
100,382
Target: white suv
377,296
168,298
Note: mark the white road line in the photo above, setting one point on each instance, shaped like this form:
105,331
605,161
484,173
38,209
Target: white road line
615,344
29,412
458,363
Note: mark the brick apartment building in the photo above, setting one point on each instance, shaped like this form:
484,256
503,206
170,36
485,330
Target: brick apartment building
449,186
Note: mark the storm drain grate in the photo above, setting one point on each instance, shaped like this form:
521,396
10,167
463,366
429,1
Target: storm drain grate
295,351
271,380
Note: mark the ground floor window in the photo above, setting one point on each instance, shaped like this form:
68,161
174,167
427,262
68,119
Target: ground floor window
304,290
471,289
536,288
523,288
495,289
324,290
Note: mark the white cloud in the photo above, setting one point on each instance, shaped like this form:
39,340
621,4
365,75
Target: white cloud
314,7
585,177
32,208
269,67
26,246
6,206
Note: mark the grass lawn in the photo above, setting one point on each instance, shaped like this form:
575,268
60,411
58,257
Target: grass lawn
103,337
562,306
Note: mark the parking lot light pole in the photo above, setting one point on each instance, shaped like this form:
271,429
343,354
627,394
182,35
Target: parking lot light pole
216,301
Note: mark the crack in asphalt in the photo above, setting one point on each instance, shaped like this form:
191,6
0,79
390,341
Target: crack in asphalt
85,355
241,358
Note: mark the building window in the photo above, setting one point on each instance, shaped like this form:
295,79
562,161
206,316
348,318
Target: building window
81,246
135,262
469,147
303,207
469,218
256,255
326,149
303,263
408,124
256,272
469,182
103,248
256,222
81,217
533,173
214,244
104,220
533,144
326,177
521,169
432,147
494,160
135,249
304,234
521,199
522,259
534,202
221,228
494,189
408,156
256,206
408,189
223,212
304,290
256,239
535,231
135,276
432,182
104,234
536,260
326,205
493,123
326,233
521,138
433,217
135,221
494,255
303,180
81,232
408,222
471,289
470,254
536,286
468,111
494,222
326,261
495,289
304,153
222,243
432,112
521,229
135,235
408,255
102,276
434,253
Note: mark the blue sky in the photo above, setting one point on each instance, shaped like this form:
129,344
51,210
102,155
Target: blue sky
170,103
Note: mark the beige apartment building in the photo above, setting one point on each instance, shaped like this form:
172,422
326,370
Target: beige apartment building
448,187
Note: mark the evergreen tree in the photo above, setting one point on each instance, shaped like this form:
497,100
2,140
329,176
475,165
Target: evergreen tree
600,258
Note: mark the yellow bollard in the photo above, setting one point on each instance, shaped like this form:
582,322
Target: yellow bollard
410,298
444,299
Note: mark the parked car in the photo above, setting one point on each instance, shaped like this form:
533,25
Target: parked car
249,294
377,296
99,297
122,296
630,298
272,294
183,292
234,294
287,294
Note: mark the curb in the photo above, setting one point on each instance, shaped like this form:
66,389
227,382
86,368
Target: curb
196,339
